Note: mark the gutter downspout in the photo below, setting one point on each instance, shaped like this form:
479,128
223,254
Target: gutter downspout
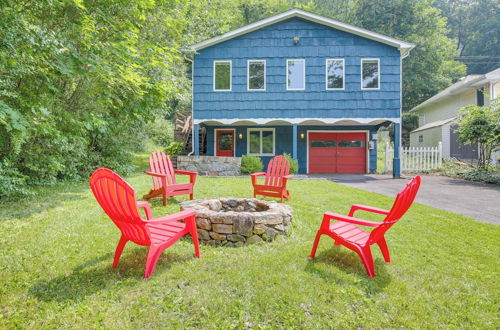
192,119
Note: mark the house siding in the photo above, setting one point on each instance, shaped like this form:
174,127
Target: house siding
274,44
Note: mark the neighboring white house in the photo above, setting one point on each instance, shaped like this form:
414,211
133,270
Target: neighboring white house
436,116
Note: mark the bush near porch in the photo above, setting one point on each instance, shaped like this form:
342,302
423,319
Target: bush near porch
57,249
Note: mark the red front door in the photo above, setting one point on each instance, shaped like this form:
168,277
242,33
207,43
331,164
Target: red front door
337,152
224,145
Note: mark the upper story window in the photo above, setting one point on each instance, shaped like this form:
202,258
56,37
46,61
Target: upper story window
222,75
256,75
335,74
370,73
295,74
260,141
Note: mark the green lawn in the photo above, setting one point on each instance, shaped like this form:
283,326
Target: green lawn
56,251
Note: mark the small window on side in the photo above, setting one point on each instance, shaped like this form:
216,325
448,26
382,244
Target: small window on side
335,74
222,76
370,73
256,75
295,74
420,138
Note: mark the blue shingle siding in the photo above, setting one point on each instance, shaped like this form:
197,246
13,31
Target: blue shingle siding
275,45
283,141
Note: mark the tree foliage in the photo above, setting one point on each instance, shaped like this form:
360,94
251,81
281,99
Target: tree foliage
480,125
81,81
475,27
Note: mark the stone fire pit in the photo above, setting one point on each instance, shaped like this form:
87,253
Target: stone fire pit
236,221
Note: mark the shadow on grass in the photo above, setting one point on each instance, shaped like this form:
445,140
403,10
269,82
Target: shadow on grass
349,262
96,275
44,198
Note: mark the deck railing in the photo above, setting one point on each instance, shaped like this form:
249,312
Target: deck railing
415,159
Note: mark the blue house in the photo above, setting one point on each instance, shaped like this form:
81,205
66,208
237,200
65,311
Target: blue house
299,83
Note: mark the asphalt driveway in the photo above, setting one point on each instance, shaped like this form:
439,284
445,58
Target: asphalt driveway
476,200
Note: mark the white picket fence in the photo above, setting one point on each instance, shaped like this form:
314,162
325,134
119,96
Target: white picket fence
415,159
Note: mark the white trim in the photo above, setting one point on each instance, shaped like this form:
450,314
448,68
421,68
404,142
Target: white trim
404,47
303,73
343,74
379,74
248,76
230,75
215,139
291,121
367,150
255,129
192,104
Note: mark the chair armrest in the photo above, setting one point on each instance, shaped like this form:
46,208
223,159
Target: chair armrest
357,207
192,175
174,217
346,218
155,174
254,177
147,209
185,172
289,176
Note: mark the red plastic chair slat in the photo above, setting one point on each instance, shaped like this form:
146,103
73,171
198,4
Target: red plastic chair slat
117,198
274,183
160,163
359,240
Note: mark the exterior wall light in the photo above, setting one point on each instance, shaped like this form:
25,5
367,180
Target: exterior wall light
296,40
302,135
240,136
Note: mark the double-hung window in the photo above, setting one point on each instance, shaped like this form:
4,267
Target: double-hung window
335,73
222,75
295,75
256,73
261,141
370,73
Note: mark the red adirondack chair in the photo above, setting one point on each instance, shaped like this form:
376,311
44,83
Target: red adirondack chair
275,181
345,232
164,182
117,199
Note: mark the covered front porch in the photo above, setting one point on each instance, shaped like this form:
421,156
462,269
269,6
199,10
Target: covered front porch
342,146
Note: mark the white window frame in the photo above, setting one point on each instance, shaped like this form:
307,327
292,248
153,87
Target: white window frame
248,75
303,74
230,76
261,130
379,74
343,74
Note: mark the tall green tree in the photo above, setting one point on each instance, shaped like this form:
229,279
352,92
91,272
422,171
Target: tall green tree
475,26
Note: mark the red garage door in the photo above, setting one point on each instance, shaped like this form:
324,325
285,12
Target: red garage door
337,152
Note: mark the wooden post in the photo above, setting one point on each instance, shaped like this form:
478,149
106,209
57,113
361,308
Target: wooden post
294,141
386,163
196,139
440,154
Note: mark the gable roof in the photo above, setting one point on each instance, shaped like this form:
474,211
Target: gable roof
433,124
404,47
469,82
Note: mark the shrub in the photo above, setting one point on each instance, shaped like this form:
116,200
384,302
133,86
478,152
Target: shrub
251,164
294,164
456,169
161,132
12,183
174,148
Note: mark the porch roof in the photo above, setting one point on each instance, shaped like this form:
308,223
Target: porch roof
296,121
